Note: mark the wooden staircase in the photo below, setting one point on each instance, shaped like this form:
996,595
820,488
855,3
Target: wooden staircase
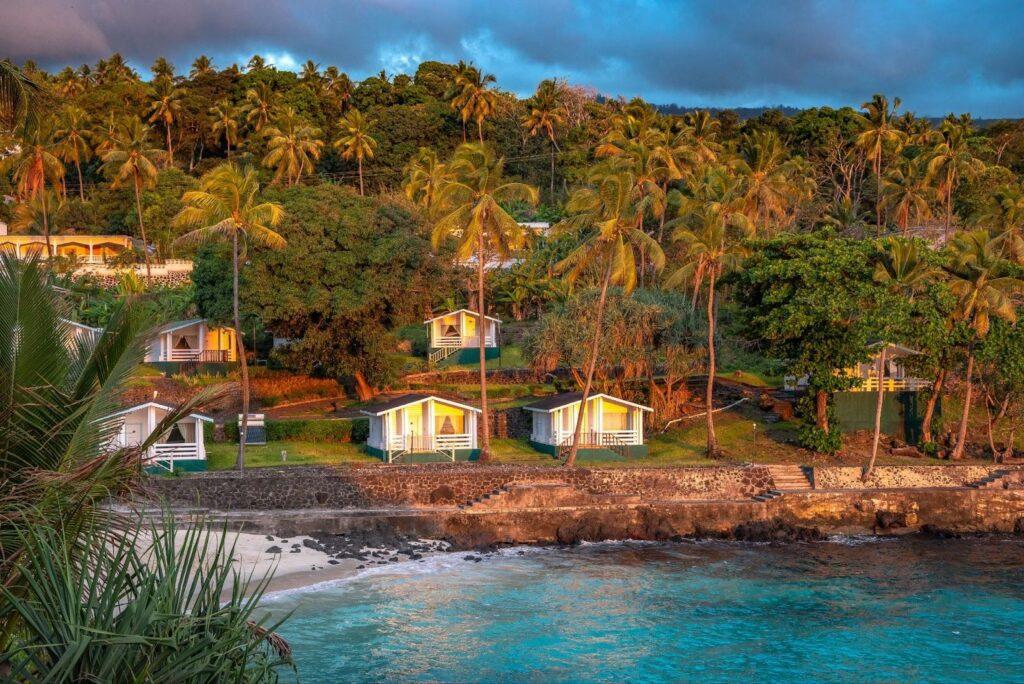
440,354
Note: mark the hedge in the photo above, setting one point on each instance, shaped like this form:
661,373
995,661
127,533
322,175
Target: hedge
307,430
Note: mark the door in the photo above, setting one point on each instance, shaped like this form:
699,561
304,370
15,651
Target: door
132,434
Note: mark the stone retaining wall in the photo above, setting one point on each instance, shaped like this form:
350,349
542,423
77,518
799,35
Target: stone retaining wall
382,486
888,477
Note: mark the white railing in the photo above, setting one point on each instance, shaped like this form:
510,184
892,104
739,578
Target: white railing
461,342
429,442
172,450
205,356
452,341
99,267
596,438
893,384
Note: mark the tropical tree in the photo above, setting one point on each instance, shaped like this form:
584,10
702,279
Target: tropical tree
256,63
473,98
903,270
224,124
293,146
131,159
703,132
952,162
712,231
906,193
984,284
202,66
38,215
356,141
1003,216
879,135
425,176
72,138
227,206
546,116
35,165
310,71
261,105
338,85
20,96
608,216
165,108
772,181
472,216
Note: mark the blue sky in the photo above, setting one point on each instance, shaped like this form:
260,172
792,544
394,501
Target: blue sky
938,56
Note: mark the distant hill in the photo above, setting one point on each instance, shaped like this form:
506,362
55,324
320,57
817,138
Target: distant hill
754,112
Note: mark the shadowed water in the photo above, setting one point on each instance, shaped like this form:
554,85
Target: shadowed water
897,610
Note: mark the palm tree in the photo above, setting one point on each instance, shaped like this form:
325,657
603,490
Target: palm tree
704,131
772,181
425,178
162,69
35,165
610,216
224,124
546,115
979,277
293,147
130,158
20,96
879,134
356,141
261,105
310,71
712,230
903,269
73,141
482,229
227,206
202,66
38,215
166,108
338,85
952,162
256,63
906,193
1003,215
473,98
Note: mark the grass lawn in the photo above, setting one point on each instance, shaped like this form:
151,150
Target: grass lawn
511,357
221,456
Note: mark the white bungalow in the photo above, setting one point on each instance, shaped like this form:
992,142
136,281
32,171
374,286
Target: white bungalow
459,330
182,447
195,340
416,426
90,249
894,377
79,333
609,424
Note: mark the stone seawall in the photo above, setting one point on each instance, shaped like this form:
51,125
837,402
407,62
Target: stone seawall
845,477
380,486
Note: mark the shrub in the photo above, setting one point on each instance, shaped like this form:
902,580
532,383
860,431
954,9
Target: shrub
306,431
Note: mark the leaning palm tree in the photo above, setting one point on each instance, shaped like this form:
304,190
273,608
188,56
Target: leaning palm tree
546,115
980,278
475,220
879,135
72,137
609,216
165,108
356,141
711,230
131,159
20,96
952,162
227,206
224,123
903,269
36,165
425,176
293,146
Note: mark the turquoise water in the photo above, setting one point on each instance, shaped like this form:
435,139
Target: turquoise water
847,610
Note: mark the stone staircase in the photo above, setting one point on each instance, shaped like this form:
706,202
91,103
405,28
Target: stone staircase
785,478
994,480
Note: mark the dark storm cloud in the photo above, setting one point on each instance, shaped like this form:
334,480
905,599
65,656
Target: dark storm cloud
939,56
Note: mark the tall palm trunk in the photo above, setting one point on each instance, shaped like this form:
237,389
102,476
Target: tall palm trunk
553,148
480,130
481,333
878,193
142,229
46,224
81,186
713,450
170,150
360,159
961,437
243,428
933,401
591,365
879,399
949,210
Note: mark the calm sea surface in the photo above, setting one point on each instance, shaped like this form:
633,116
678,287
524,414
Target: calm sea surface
845,610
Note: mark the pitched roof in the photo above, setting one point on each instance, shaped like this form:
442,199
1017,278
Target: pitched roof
178,325
452,313
165,407
383,407
557,401
83,326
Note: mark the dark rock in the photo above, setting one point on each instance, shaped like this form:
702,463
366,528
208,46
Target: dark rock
890,520
295,551
935,532
415,556
270,537
360,567
333,562
1018,526
774,530
312,544
273,549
